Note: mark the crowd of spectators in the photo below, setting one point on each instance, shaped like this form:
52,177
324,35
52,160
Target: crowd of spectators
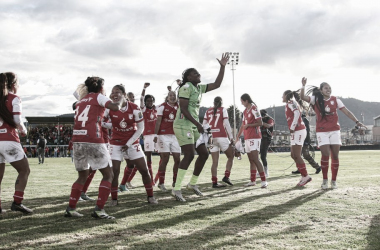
51,135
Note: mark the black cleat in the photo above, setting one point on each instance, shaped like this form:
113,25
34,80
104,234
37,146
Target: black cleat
227,180
218,185
296,172
21,208
318,170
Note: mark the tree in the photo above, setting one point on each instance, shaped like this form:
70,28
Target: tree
230,112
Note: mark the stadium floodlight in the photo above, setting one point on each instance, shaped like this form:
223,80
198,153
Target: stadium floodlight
234,60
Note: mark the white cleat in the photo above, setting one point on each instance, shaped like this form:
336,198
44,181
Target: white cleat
264,184
325,184
195,189
304,181
177,194
152,200
333,185
162,187
251,183
129,185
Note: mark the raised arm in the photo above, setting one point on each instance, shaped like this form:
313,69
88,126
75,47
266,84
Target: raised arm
218,81
302,94
142,104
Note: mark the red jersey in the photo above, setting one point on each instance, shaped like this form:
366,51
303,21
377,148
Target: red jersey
331,121
89,114
168,113
290,108
251,116
150,118
8,133
124,123
216,121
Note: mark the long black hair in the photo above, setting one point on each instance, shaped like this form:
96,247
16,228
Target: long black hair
246,97
319,99
5,84
217,103
290,94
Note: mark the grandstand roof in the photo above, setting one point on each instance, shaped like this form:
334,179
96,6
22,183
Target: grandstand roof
62,119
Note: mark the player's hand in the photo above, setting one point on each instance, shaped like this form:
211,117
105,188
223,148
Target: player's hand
124,148
178,81
246,126
223,61
304,81
23,134
169,88
200,128
146,85
292,131
359,124
155,139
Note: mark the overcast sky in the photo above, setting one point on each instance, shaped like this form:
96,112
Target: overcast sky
54,45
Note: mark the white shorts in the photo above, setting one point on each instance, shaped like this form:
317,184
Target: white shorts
168,144
133,152
221,143
91,154
252,145
149,143
298,137
329,138
11,151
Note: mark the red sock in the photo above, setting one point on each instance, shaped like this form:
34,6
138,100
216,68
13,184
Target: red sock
302,169
150,171
325,166
162,177
114,192
227,173
334,168
174,177
157,177
104,192
262,176
127,173
76,190
214,179
253,175
149,189
134,170
18,197
88,181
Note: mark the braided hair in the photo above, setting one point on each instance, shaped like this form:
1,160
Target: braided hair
5,84
217,103
290,94
319,99
185,74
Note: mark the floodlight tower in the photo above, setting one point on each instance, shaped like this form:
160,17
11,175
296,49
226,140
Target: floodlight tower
234,61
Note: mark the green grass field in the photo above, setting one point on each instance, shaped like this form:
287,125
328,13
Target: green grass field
279,217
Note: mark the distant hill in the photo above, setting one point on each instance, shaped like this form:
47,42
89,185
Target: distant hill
369,110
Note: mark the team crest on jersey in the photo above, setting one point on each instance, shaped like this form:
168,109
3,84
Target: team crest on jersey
130,116
249,115
151,116
140,115
1,122
171,116
123,124
189,134
175,107
332,102
327,109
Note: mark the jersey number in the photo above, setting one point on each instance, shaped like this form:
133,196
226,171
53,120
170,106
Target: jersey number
83,117
216,120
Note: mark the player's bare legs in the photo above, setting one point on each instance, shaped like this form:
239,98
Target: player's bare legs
146,178
2,170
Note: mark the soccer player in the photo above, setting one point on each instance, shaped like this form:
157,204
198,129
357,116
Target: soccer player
164,136
252,135
89,146
127,126
41,144
10,147
266,138
297,130
326,108
187,127
217,118
150,117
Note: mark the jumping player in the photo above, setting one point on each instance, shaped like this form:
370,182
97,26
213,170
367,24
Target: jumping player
326,108
252,135
127,126
89,146
164,136
297,130
217,118
10,147
187,127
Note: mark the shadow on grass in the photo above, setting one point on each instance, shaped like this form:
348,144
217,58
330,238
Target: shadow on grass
373,236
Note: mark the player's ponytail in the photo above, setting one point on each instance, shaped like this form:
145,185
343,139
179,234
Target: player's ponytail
5,114
319,101
290,94
217,103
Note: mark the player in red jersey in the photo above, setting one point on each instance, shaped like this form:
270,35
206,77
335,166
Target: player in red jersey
150,118
252,135
10,147
326,108
217,119
297,130
127,126
165,138
89,146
